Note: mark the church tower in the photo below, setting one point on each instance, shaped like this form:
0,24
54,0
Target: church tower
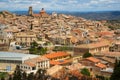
30,12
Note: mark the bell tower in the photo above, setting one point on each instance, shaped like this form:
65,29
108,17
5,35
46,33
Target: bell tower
30,12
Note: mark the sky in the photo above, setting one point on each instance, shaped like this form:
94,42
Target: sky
61,5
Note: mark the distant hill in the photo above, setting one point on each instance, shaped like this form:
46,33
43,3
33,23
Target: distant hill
106,15
99,15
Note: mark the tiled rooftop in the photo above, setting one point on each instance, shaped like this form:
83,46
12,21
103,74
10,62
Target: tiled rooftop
56,55
95,60
32,62
100,65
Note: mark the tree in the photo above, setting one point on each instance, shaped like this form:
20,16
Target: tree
87,54
31,26
40,75
10,78
3,74
85,71
101,77
41,50
34,45
17,73
35,49
2,78
30,76
24,76
116,71
73,77
63,48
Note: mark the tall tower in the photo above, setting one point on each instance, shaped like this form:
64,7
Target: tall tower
30,12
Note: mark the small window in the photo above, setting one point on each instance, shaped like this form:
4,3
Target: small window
33,68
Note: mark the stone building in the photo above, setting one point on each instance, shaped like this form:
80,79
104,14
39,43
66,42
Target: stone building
93,48
96,66
115,47
3,47
59,58
43,17
25,39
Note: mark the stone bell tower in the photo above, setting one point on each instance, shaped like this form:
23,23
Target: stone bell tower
30,12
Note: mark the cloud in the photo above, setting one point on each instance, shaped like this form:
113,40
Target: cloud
69,5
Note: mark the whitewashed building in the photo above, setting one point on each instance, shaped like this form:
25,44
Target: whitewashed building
35,64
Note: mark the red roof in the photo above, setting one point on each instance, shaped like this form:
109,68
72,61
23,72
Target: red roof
104,33
74,40
36,15
41,14
77,31
42,11
56,55
100,65
76,73
93,59
32,62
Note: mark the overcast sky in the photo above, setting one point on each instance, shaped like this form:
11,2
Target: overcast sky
60,5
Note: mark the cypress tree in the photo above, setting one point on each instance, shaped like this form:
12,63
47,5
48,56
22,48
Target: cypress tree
30,76
40,74
116,71
17,74
24,76
10,78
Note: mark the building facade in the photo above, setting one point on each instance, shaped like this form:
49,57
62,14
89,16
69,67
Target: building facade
59,58
115,47
93,48
25,39
35,64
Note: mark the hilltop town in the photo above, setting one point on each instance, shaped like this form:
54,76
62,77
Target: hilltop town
57,43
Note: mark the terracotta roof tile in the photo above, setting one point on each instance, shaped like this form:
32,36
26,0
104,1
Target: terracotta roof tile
32,62
36,15
41,14
56,55
100,65
104,33
75,73
74,40
93,59
77,31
